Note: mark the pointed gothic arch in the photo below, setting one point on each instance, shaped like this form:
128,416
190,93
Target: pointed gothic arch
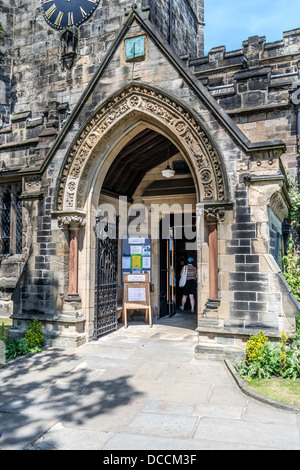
125,114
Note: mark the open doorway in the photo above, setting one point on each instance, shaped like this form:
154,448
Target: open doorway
135,185
174,252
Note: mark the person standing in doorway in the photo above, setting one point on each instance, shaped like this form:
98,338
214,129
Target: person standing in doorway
190,285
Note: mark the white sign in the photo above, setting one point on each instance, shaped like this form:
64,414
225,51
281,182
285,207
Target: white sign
137,294
126,262
136,278
136,250
136,240
146,262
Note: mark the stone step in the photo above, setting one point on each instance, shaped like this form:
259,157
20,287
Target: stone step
213,351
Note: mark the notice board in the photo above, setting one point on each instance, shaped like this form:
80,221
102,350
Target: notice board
136,256
136,295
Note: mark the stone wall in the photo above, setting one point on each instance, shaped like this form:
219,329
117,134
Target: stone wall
6,79
187,40
33,73
254,85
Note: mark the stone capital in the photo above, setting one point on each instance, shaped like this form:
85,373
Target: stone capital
214,214
71,221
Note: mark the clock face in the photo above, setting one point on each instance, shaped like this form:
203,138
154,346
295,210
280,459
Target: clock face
62,14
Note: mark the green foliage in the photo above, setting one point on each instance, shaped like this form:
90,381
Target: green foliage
2,30
294,194
283,353
34,334
297,321
265,359
296,331
16,347
291,261
32,342
2,333
291,270
292,368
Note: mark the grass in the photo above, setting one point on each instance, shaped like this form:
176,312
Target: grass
284,390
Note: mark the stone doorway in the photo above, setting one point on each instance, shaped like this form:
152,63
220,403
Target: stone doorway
112,150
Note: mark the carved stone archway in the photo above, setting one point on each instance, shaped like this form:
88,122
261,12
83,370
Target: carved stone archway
140,102
98,143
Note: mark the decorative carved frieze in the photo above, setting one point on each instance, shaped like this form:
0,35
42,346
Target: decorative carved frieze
142,100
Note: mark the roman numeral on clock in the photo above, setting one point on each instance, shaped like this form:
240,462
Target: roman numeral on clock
70,18
51,10
62,14
59,18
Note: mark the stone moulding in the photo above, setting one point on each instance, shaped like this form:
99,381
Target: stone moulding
279,206
140,101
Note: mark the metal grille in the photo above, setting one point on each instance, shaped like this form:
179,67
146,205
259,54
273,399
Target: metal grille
6,209
106,278
19,226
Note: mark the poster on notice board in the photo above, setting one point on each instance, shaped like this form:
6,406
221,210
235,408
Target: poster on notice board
136,255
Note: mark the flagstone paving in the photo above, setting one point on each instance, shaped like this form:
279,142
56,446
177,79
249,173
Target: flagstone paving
138,388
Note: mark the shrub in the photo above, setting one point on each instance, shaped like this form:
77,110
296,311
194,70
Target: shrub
255,347
265,360
292,368
294,194
291,261
16,347
34,334
291,270
297,321
2,333
32,342
283,353
2,30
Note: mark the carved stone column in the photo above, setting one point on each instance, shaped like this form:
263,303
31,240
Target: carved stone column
71,318
73,223
213,261
73,262
213,216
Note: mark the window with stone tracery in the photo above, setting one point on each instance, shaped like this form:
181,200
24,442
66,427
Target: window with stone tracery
11,220
5,223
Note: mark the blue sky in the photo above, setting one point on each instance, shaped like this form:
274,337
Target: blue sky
230,22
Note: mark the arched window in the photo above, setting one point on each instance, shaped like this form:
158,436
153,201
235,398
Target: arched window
18,225
11,220
6,213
